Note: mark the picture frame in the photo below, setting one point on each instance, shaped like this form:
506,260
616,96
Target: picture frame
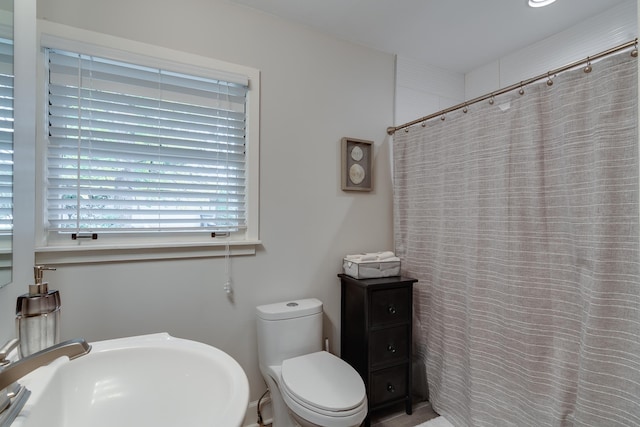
357,161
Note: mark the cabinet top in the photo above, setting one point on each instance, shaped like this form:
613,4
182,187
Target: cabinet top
386,281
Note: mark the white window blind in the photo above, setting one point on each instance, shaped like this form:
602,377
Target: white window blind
134,149
6,136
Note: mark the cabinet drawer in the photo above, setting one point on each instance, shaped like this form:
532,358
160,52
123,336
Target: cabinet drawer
388,384
389,345
390,305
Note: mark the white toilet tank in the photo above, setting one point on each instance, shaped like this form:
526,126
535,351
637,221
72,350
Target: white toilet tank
288,329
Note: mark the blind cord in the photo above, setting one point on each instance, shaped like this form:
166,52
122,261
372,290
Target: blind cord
227,272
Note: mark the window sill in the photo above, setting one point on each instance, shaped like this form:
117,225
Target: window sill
82,254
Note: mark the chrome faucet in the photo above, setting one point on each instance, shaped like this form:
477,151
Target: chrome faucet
12,395
16,370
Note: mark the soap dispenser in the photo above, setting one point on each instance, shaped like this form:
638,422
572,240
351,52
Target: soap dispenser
38,315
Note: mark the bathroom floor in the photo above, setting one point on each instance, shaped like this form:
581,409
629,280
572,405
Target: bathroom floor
396,417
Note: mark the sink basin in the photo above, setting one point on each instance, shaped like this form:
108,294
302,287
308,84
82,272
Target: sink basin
149,380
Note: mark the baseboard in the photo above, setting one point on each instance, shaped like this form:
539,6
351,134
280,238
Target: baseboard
251,417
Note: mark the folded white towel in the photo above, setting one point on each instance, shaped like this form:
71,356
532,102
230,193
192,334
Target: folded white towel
372,257
369,257
385,255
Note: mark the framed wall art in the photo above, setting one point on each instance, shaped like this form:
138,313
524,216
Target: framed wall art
357,159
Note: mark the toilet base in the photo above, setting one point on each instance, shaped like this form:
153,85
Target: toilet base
283,416
302,422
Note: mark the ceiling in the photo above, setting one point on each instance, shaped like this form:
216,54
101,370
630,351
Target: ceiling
456,35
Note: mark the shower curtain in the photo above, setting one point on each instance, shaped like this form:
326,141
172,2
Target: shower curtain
520,220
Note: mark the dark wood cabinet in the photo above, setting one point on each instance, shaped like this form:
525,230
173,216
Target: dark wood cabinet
376,325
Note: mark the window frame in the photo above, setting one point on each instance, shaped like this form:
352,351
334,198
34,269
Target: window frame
56,248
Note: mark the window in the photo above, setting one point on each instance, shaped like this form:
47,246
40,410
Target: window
6,138
138,150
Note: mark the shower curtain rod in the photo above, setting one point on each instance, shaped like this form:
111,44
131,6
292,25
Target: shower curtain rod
392,129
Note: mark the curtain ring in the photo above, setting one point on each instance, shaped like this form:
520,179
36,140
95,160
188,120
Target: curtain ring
634,52
465,109
442,117
424,124
406,130
521,91
492,100
588,68
549,81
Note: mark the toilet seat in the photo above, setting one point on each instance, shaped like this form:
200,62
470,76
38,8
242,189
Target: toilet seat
324,384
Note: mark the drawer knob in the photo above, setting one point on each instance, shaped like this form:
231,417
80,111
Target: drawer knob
390,388
391,348
392,309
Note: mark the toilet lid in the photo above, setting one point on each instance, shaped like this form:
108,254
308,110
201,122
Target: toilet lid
324,381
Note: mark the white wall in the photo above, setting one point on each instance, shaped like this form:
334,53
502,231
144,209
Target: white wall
422,90
314,90
615,26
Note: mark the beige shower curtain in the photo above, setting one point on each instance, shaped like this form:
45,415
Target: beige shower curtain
520,220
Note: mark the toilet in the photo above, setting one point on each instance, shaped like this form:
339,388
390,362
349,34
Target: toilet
309,387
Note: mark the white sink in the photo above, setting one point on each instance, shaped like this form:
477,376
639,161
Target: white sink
150,380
